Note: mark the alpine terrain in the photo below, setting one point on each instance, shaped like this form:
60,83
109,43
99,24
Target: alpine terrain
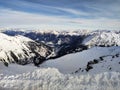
59,60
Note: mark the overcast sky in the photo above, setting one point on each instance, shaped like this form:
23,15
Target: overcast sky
61,14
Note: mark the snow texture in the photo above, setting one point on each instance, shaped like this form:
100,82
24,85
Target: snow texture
52,79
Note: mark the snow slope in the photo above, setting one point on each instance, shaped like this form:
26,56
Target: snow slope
21,49
73,62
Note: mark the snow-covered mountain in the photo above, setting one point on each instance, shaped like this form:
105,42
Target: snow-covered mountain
63,42
102,38
57,38
66,42
22,50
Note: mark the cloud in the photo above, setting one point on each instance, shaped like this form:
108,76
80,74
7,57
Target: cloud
19,17
16,18
69,8
13,18
90,14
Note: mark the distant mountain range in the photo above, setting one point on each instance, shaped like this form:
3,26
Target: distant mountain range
37,46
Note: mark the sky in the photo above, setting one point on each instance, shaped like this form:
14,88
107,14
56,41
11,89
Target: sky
60,14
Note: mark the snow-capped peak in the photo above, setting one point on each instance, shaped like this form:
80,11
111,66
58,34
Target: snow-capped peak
21,49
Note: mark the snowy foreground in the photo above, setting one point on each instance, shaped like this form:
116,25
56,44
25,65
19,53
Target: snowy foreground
18,77
63,73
